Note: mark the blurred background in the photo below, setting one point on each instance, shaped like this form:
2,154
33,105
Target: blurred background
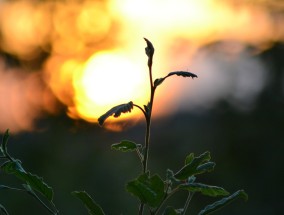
65,63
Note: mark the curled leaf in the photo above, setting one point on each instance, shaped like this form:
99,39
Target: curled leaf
221,203
197,165
125,146
159,81
205,189
183,74
149,52
116,111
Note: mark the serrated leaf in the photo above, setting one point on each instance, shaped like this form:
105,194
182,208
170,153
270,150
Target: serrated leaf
125,146
150,190
207,190
221,203
3,210
192,168
4,142
189,158
183,74
171,211
92,207
36,183
116,111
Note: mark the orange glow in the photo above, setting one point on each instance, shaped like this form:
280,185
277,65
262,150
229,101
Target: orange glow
96,51
24,97
22,27
108,79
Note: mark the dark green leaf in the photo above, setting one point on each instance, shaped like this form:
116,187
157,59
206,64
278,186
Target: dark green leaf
206,167
171,211
207,190
116,111
192,167
3,210
90,204
221,203
4,142
189,158
183,74
36,183
150,190
125,146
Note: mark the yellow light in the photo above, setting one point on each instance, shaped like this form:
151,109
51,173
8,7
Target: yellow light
108,79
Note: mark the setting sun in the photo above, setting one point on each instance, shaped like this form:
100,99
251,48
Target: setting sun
90,53
108,79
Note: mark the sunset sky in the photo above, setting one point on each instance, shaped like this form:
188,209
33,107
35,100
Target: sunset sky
89,55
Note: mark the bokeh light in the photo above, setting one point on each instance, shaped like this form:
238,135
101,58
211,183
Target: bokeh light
91,52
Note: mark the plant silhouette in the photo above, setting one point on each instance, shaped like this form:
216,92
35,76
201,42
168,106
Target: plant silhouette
151,190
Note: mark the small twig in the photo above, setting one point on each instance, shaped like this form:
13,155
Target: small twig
164,199
141,208
189,197
139,155
145,114
167,196
14,188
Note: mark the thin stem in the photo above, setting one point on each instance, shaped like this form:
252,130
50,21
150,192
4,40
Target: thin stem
6,155
151,78
141,208
15,189
145,114
148,122
189,197
139,155
164,199
147,141
167,196
148,115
